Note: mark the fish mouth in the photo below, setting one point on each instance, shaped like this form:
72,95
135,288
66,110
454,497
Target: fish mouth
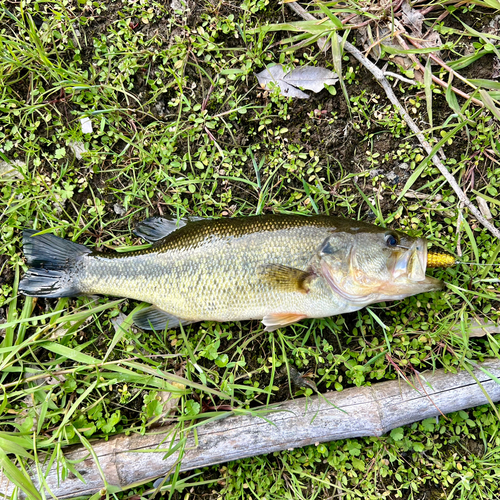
410,265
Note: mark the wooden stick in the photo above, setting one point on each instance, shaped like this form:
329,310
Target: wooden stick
356,412
379,76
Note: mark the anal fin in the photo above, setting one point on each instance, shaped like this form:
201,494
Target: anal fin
274,321
153,318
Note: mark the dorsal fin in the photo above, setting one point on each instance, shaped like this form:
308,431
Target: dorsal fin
156,228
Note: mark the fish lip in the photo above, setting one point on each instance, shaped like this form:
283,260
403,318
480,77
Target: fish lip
411,263
419,264
431,284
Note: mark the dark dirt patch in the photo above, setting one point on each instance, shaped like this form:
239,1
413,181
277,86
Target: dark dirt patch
7,275
473,446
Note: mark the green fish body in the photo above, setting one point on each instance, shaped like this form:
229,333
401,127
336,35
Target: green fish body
275,268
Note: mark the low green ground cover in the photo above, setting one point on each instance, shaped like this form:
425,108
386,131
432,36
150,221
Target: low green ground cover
180,127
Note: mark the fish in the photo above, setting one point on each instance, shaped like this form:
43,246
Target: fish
276,268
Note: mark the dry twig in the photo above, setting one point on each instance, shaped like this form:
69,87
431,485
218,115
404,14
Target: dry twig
379,76
435,79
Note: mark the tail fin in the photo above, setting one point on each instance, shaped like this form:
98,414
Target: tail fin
53,265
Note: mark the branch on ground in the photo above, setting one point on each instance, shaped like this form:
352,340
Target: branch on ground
382,80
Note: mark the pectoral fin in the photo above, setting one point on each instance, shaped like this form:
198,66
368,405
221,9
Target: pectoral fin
153,318
286,278
274,321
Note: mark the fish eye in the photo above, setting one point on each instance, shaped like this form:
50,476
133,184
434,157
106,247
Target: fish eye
391,240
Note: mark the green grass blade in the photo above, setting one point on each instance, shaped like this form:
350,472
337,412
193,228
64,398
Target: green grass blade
8,339
333,18
122,330
70,353
451,97
9,446
487,84
489,103
428,90
472,239
18,478
418,171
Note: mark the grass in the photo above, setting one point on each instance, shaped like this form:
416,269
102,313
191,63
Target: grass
180,128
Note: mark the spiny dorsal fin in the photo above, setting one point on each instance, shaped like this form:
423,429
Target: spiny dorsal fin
286,278
156,228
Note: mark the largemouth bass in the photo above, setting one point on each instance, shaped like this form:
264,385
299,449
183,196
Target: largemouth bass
275,268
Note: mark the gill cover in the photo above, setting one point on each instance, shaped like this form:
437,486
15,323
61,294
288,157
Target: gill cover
337,264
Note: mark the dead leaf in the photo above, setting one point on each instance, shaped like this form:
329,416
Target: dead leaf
493,28
496,68
78,148
432,40
311,78
119,210
302,380
117,321
182,6
413,19
58,332
12,169
276,75
169,402
384,35
308,77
